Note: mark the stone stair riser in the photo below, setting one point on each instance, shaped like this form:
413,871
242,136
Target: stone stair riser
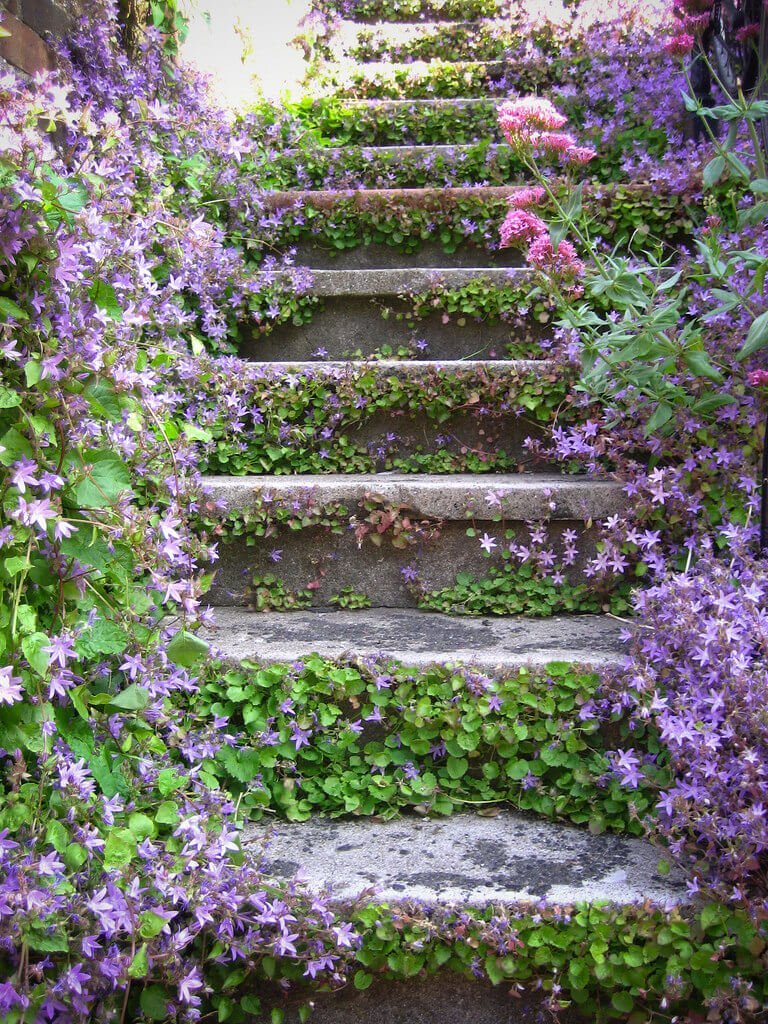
379,256
366,12
404,122
352,324
376,527
329,563
395,167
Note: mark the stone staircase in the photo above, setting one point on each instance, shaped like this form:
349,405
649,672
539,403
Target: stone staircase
333,535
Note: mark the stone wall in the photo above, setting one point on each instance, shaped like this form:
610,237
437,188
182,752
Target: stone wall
31,24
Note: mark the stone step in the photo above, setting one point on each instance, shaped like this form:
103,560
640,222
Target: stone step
418,79
371,199
394,235
367,312
367,12
467,860
394,281
411,166
395,122
456,40
369,416
396,539
417,638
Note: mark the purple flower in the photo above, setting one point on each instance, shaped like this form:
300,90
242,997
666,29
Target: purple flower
10,686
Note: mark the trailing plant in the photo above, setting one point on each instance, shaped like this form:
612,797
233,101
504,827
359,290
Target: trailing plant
522,590
374,737
349,598
244,419
404,10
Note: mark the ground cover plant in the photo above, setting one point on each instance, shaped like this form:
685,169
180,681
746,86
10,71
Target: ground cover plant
126,250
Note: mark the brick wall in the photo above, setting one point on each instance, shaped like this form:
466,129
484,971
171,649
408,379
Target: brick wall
31,23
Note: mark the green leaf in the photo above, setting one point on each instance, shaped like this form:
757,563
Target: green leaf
32,647
139,966
105,297
103,637
57,835
167,813
363,980
150,924
9,398
75,856
623,1002
195,433
757,337
141,825
713,171
8,308
457,767
47,942
33,371
119,849
168,781
132,698
154,1002
698,363
186,648
662,414
106,477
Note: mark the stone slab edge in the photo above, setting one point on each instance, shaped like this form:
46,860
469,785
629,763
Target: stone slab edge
467,860
397,281
417,639
539,496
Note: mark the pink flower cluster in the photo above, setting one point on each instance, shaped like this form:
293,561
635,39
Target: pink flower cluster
534,124
520,226
758,378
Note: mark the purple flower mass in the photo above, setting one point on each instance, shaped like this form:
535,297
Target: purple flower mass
127,235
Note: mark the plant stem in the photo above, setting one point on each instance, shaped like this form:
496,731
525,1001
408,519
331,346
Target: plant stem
764,492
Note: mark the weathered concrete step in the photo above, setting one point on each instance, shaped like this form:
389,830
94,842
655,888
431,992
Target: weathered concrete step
421,79
411,415
417,638
397,540
402,152
454,40
466,859
394,281
402,229
422,198
402,368
442,998
546,495
363,312
370,12
407,166
451,121
490,68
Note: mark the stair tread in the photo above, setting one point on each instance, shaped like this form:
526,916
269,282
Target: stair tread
466,859
394,281
417,638
396,367
523,496
416,149
440,196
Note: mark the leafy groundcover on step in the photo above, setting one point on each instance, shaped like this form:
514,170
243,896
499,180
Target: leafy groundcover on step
124,893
